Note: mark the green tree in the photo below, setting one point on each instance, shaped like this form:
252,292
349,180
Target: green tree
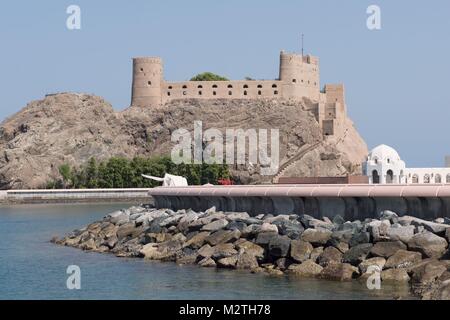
208,76
66,174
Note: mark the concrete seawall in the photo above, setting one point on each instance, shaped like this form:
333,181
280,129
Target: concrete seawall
74,195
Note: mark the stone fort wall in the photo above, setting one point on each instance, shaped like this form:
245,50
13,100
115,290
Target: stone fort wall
299,77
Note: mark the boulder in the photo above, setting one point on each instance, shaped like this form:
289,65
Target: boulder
391,216
171,220
319,224
428,273
403,259
198,240
128,229
338,272
301,250
359,238
236,225
395,275
316,253
215,225
328,256
437,228
338,220
375,261
222,236
268,227
279,246
429,244
250,231
447,235
118,217
379,230
246,260
250,248
292,229
236,216
342,235
397,232
317,237
357,254
283,263
307,269
387,249
186,220
207,263
264,238
223,250
206,251
228,262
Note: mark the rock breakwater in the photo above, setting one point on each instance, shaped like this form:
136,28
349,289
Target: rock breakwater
401,249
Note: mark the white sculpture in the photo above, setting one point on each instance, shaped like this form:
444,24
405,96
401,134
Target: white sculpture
169,180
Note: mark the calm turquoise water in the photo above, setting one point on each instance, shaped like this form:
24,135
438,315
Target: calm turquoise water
33,268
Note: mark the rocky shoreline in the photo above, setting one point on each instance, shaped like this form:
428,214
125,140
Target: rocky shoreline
398,249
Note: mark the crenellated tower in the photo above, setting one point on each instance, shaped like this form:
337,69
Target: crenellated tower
147,81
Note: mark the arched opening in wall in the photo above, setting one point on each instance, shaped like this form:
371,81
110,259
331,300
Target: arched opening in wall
200,86
437,178
447,179
259,92
376,161
415,178
274,86
214,93
168,93
230,93
230,86
170,87
259,85
149,83
389,176
275,92
388,160
214,86
184,93
184,87
200,93
245,92
294,80
375,177
245,86
426,178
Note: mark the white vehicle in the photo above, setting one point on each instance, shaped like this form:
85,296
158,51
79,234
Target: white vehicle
169,180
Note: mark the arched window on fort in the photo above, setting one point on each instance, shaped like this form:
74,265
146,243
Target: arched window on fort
168,93
184,93
245,86
274,86
426,178
259,85
214,85
447,179
230,93
245,92
415,178
184,86
389,176
230,86
259,92
275,92
375,177
170,87
200,93
437,178
214,93
294,80
200,86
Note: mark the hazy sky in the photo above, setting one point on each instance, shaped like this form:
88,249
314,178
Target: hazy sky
397,78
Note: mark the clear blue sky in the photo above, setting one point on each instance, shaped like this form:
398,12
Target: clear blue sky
397,79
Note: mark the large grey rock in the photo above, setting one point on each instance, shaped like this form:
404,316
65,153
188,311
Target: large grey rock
301,250
198,240
268,227
228,262
338,272
250,248
437,228
188,219
428,272
357,254
215,225
246,260
387,249
429,244
222,236
207,263
291,228
328,256
279,246
128,229
117,217
403,233
236,225
375,261
394,275
264,238
316,237
307,269
379,230
388,215
359,238
316,253
403,259
236,216
223,250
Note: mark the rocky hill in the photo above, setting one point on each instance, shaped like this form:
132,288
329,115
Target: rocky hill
71,128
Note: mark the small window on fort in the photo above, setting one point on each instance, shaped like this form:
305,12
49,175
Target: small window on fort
259,92
184,93
245,92
200,86
259,86
170,87
214,86
149,83
199,93
308,82
302,80
274,86
245,86
275,92
230,93
214,93
168,93
142,69
185,87
294,80
229,86
315,83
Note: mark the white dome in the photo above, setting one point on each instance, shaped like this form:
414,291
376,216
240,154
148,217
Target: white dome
384,153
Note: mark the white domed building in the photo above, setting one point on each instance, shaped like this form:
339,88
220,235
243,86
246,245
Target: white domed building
384,165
